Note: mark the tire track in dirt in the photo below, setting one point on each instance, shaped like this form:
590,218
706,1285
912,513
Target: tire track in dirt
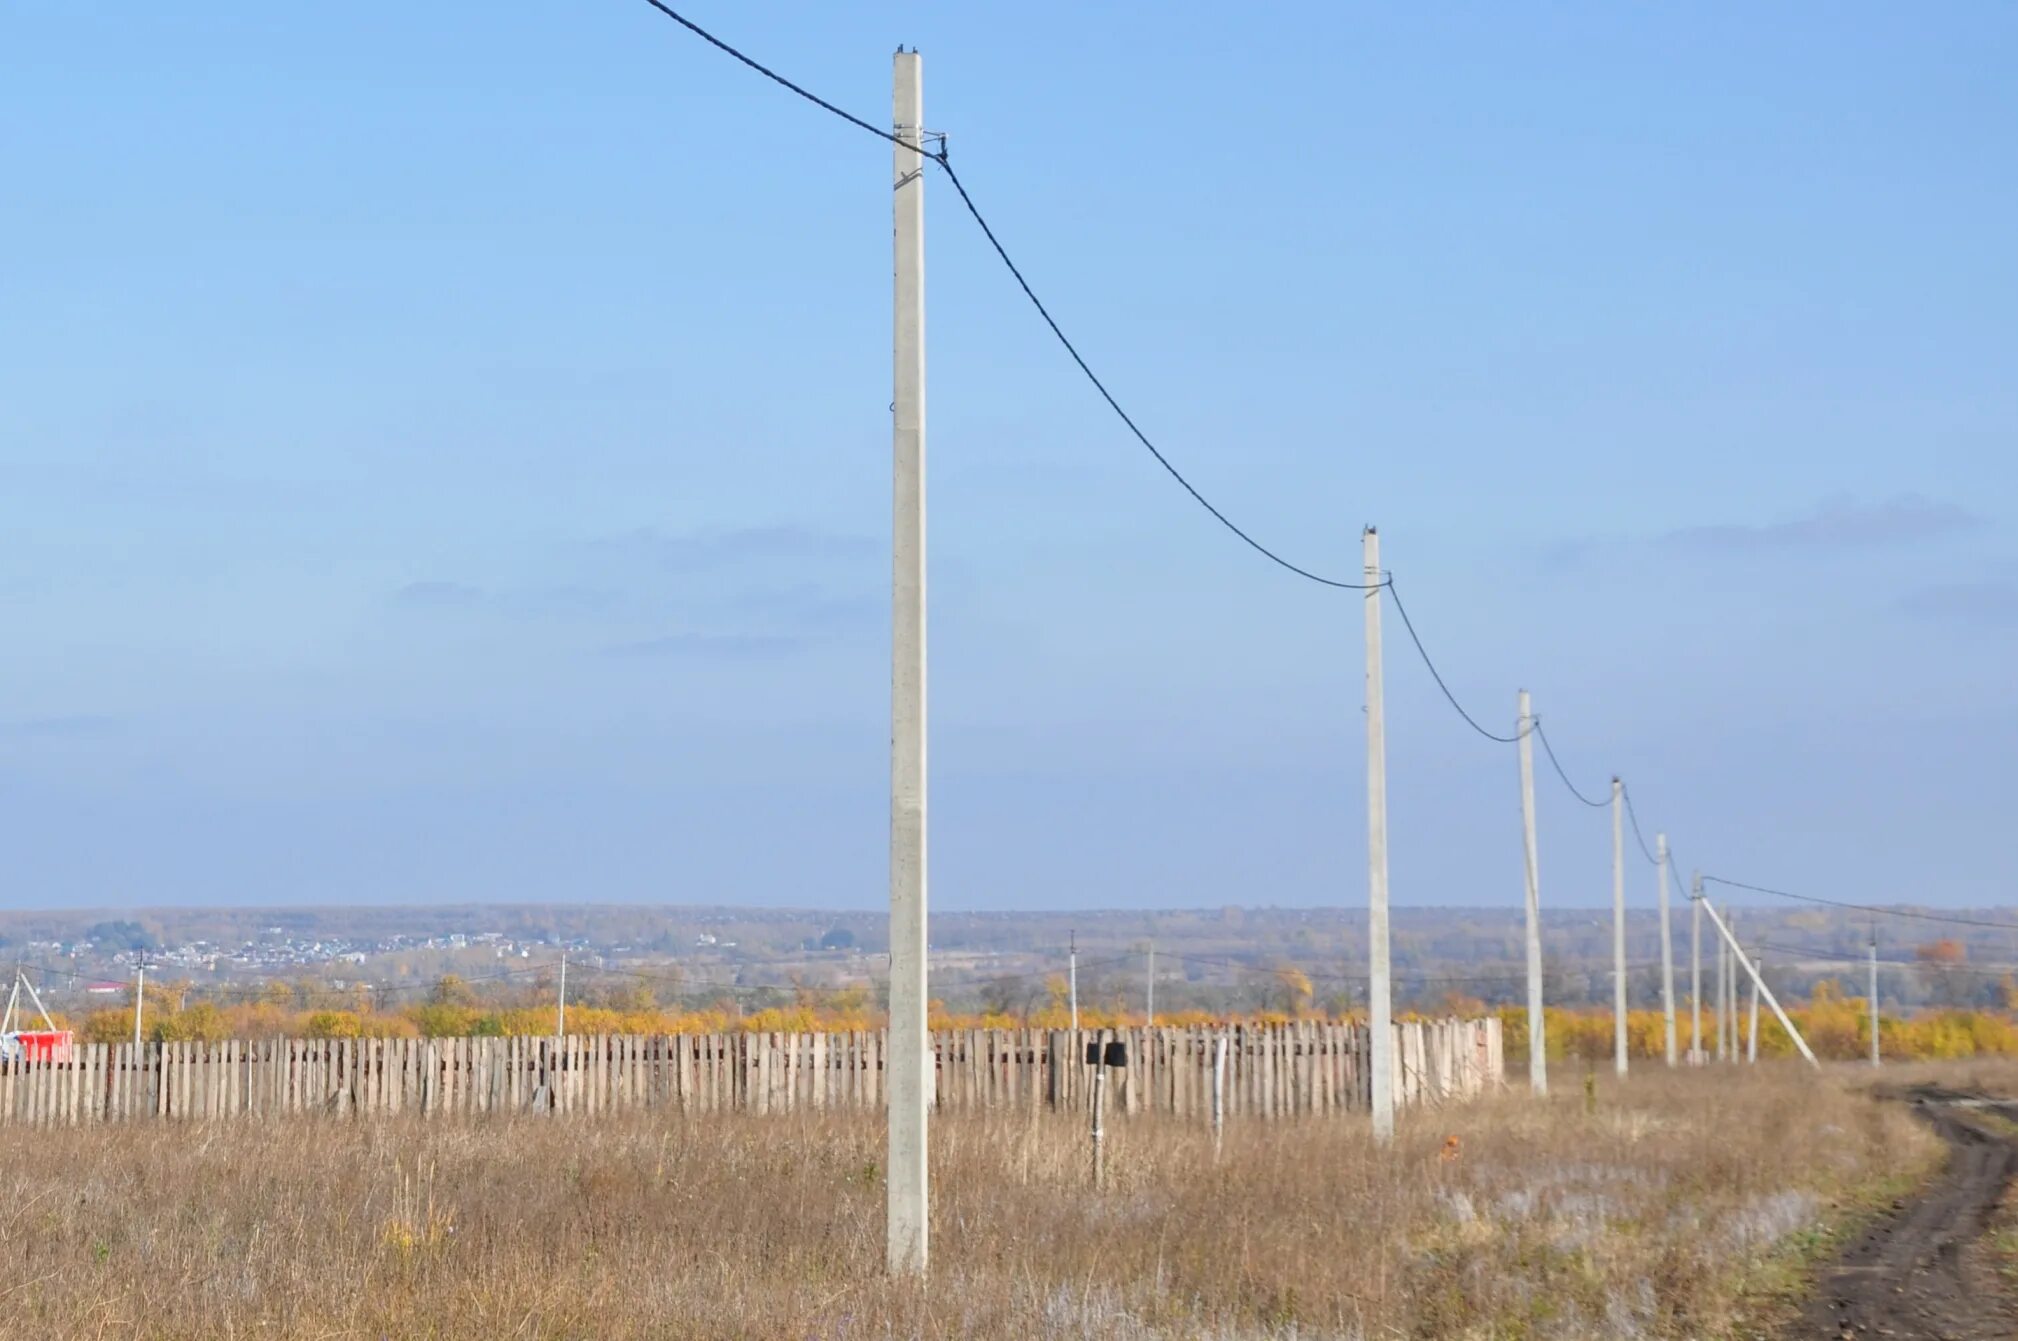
1925,1270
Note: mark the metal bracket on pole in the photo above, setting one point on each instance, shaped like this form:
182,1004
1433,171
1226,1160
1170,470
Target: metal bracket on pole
1757,981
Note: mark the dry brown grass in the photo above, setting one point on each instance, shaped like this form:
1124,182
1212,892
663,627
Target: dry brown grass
1647,1215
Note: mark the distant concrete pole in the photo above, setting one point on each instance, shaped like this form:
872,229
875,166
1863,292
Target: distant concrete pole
1752,1026
1538,1061
1149,1005
561,1002
1723,981
1072,979
908,1077
140,999
1667,946
1379,999
1618,926
1696,970
1731,993
1739,961
1874,998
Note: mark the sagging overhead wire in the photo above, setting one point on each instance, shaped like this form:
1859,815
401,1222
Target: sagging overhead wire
1638,837
940,157
1937,970
1557,764
1905,914
1435,674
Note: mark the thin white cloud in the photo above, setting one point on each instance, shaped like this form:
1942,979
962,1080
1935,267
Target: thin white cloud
1838,524
712,646
1988,602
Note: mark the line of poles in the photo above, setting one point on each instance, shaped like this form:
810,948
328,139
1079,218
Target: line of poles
908,1188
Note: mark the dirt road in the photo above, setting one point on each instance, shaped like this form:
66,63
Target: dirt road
1927,1268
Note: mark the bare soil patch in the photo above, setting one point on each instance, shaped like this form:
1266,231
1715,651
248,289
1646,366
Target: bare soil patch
1928,1268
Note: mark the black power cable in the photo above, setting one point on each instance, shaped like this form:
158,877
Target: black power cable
1437,675
1557,764
1639,837
1016,272
1903,913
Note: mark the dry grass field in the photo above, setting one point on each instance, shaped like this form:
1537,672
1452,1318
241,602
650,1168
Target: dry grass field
1672,1206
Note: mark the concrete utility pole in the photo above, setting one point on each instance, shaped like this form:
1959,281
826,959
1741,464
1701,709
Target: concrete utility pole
1874,998
1149,1005
1618,926
908,1078
1379,1002
1072,979
1538,1060
1696,970
1739,960
1752,1026
1731,991
1667,945
1723,981
140,999
561,1001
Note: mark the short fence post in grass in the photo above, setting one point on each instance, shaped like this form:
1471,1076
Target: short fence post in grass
1752,1028
1098,1102
1874,997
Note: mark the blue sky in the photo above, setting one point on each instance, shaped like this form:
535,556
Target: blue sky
444,449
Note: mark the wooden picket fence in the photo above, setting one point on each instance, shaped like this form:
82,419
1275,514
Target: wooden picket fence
1271,1072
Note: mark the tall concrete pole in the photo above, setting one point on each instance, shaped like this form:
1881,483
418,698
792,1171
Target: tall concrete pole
1072,979
1380,1009
1149,982
1538,1060
1731,998
561,1002
1696,970
1731,992
1874,998
140,998
1618,926
1723,982
1752,1026
909,1079
1667,946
